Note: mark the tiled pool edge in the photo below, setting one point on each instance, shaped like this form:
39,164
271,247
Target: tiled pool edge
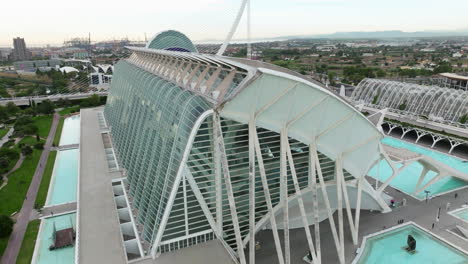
38,243
433,235
77,221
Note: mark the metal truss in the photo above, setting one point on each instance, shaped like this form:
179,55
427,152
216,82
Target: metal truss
435,103
436,137
211,78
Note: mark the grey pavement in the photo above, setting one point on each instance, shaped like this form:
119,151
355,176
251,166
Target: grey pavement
16,238
204,253
53,210
420,212
99,235
71,146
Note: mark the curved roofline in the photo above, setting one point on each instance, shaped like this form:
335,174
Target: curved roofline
194,49
306,82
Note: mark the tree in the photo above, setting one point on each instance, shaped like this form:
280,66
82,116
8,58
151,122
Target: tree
463,119
4,162
3,114
24,125
39,145
12,109
26,150
93,100
6,226
47,107
444,67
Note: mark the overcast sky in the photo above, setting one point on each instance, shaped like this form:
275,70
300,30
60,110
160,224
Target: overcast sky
53,21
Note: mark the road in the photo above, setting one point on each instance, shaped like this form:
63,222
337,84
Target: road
16,238
26,100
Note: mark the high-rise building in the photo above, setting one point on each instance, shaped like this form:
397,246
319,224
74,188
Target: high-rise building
20,52
221,148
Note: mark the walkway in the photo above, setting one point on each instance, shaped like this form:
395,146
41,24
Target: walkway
54,210
458,131
6,137
98,241
16,238
17,165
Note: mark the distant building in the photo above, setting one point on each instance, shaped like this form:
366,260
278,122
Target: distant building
454,80
4,54
20,52
326,47
80,55
100,80
32,66
428,50
457,55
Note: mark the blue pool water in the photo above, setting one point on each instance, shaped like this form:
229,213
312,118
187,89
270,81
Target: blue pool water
57,256
463,214
407,179
71,131
387,248
64,179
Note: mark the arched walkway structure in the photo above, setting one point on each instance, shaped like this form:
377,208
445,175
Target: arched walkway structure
435,103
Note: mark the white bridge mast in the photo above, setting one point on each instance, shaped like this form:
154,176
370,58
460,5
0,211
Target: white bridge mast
234,28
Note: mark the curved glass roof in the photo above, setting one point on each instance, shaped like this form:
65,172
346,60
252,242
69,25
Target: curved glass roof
171,40
433,102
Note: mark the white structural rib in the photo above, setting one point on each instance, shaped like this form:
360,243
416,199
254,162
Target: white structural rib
266,190
284,194
233,29
339,249
313,185
301,206
178,178
252,130
218,179
230,193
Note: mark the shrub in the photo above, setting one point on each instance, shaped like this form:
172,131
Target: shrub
6,226
26,150
39,145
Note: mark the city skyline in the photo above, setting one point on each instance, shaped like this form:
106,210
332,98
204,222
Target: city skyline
209,19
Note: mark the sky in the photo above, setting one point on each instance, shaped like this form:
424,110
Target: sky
43,22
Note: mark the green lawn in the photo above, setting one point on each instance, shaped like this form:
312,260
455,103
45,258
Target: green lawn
18,184
43,123
3,132
27,247
58,132
44,187
69,110
29,141
10,165
14,193
3,244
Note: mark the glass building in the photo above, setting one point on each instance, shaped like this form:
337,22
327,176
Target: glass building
220,148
